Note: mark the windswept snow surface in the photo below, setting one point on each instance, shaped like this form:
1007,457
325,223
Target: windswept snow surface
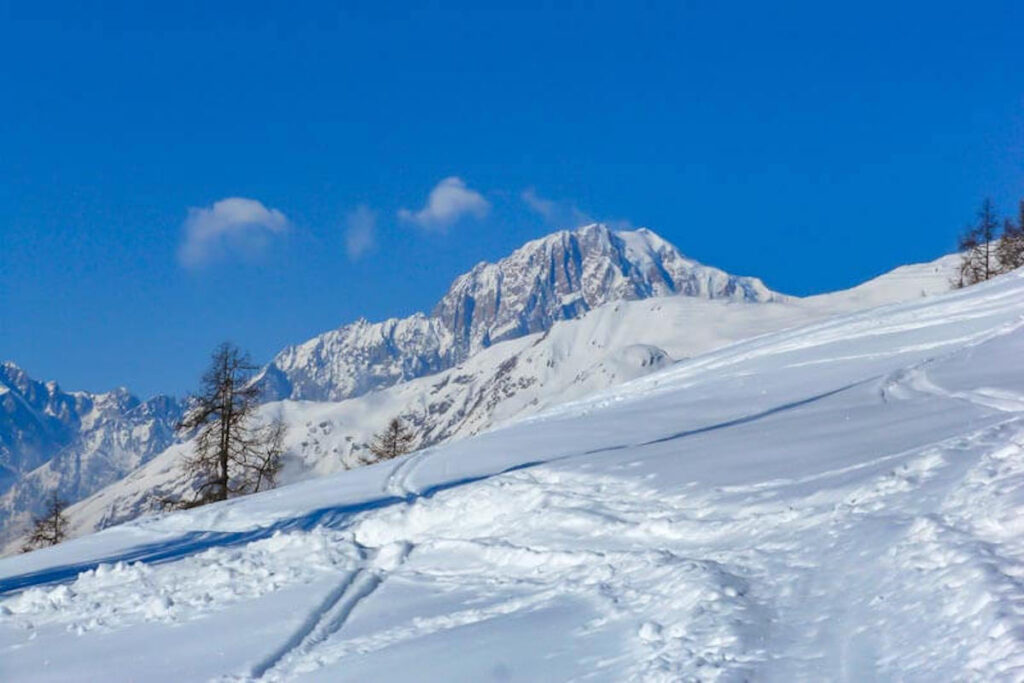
837,502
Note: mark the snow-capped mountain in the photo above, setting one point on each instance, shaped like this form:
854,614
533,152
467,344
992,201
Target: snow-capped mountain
558,277
357,358
566,274
74,443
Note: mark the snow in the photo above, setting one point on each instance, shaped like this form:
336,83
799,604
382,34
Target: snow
838,501
612,344
110,453
74,443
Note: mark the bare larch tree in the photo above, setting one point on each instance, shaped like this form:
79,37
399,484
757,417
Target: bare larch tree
978,260
1010,249
395,440
50,529
233,453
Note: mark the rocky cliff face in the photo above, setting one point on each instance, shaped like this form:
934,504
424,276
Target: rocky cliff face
558,277
35,418
567,274
357,358
74,443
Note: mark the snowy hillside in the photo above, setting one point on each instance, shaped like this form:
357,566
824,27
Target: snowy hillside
558,277
409,366
74,443
609,345
77,443
841,501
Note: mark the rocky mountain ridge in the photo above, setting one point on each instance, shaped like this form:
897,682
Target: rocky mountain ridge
74,443
557,277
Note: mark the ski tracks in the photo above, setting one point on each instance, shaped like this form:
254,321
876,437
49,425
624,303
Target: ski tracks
398,481
299,650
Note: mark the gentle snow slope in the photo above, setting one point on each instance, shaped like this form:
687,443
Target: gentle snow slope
837,502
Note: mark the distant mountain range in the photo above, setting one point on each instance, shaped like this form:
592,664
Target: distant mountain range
72,442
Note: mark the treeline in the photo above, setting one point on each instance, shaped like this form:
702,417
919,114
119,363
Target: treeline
990,246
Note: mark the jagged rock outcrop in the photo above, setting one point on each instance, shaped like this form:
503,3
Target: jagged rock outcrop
74,443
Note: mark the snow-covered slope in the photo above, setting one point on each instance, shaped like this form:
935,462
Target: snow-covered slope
609,345
411,364
78,443
74,443
558,277
841,501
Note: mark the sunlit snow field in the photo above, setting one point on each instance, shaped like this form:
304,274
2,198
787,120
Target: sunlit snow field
838,502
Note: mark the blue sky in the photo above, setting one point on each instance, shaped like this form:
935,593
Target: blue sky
812,145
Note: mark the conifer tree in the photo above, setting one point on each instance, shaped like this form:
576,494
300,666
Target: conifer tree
395,440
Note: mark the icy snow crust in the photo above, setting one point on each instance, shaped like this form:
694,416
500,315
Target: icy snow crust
836,502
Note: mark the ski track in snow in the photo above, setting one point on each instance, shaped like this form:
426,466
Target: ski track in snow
733,587
640,579
398,481
396,490
330,616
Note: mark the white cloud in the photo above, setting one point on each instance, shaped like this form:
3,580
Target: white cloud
449,201
234,225
360,231
560,214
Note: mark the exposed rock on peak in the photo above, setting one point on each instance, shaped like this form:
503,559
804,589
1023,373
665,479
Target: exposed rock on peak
557,277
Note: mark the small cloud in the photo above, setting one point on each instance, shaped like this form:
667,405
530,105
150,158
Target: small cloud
234,225
559,214
449,201
360,231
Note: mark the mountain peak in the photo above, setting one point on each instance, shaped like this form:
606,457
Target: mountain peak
569,272
555,277
11,372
